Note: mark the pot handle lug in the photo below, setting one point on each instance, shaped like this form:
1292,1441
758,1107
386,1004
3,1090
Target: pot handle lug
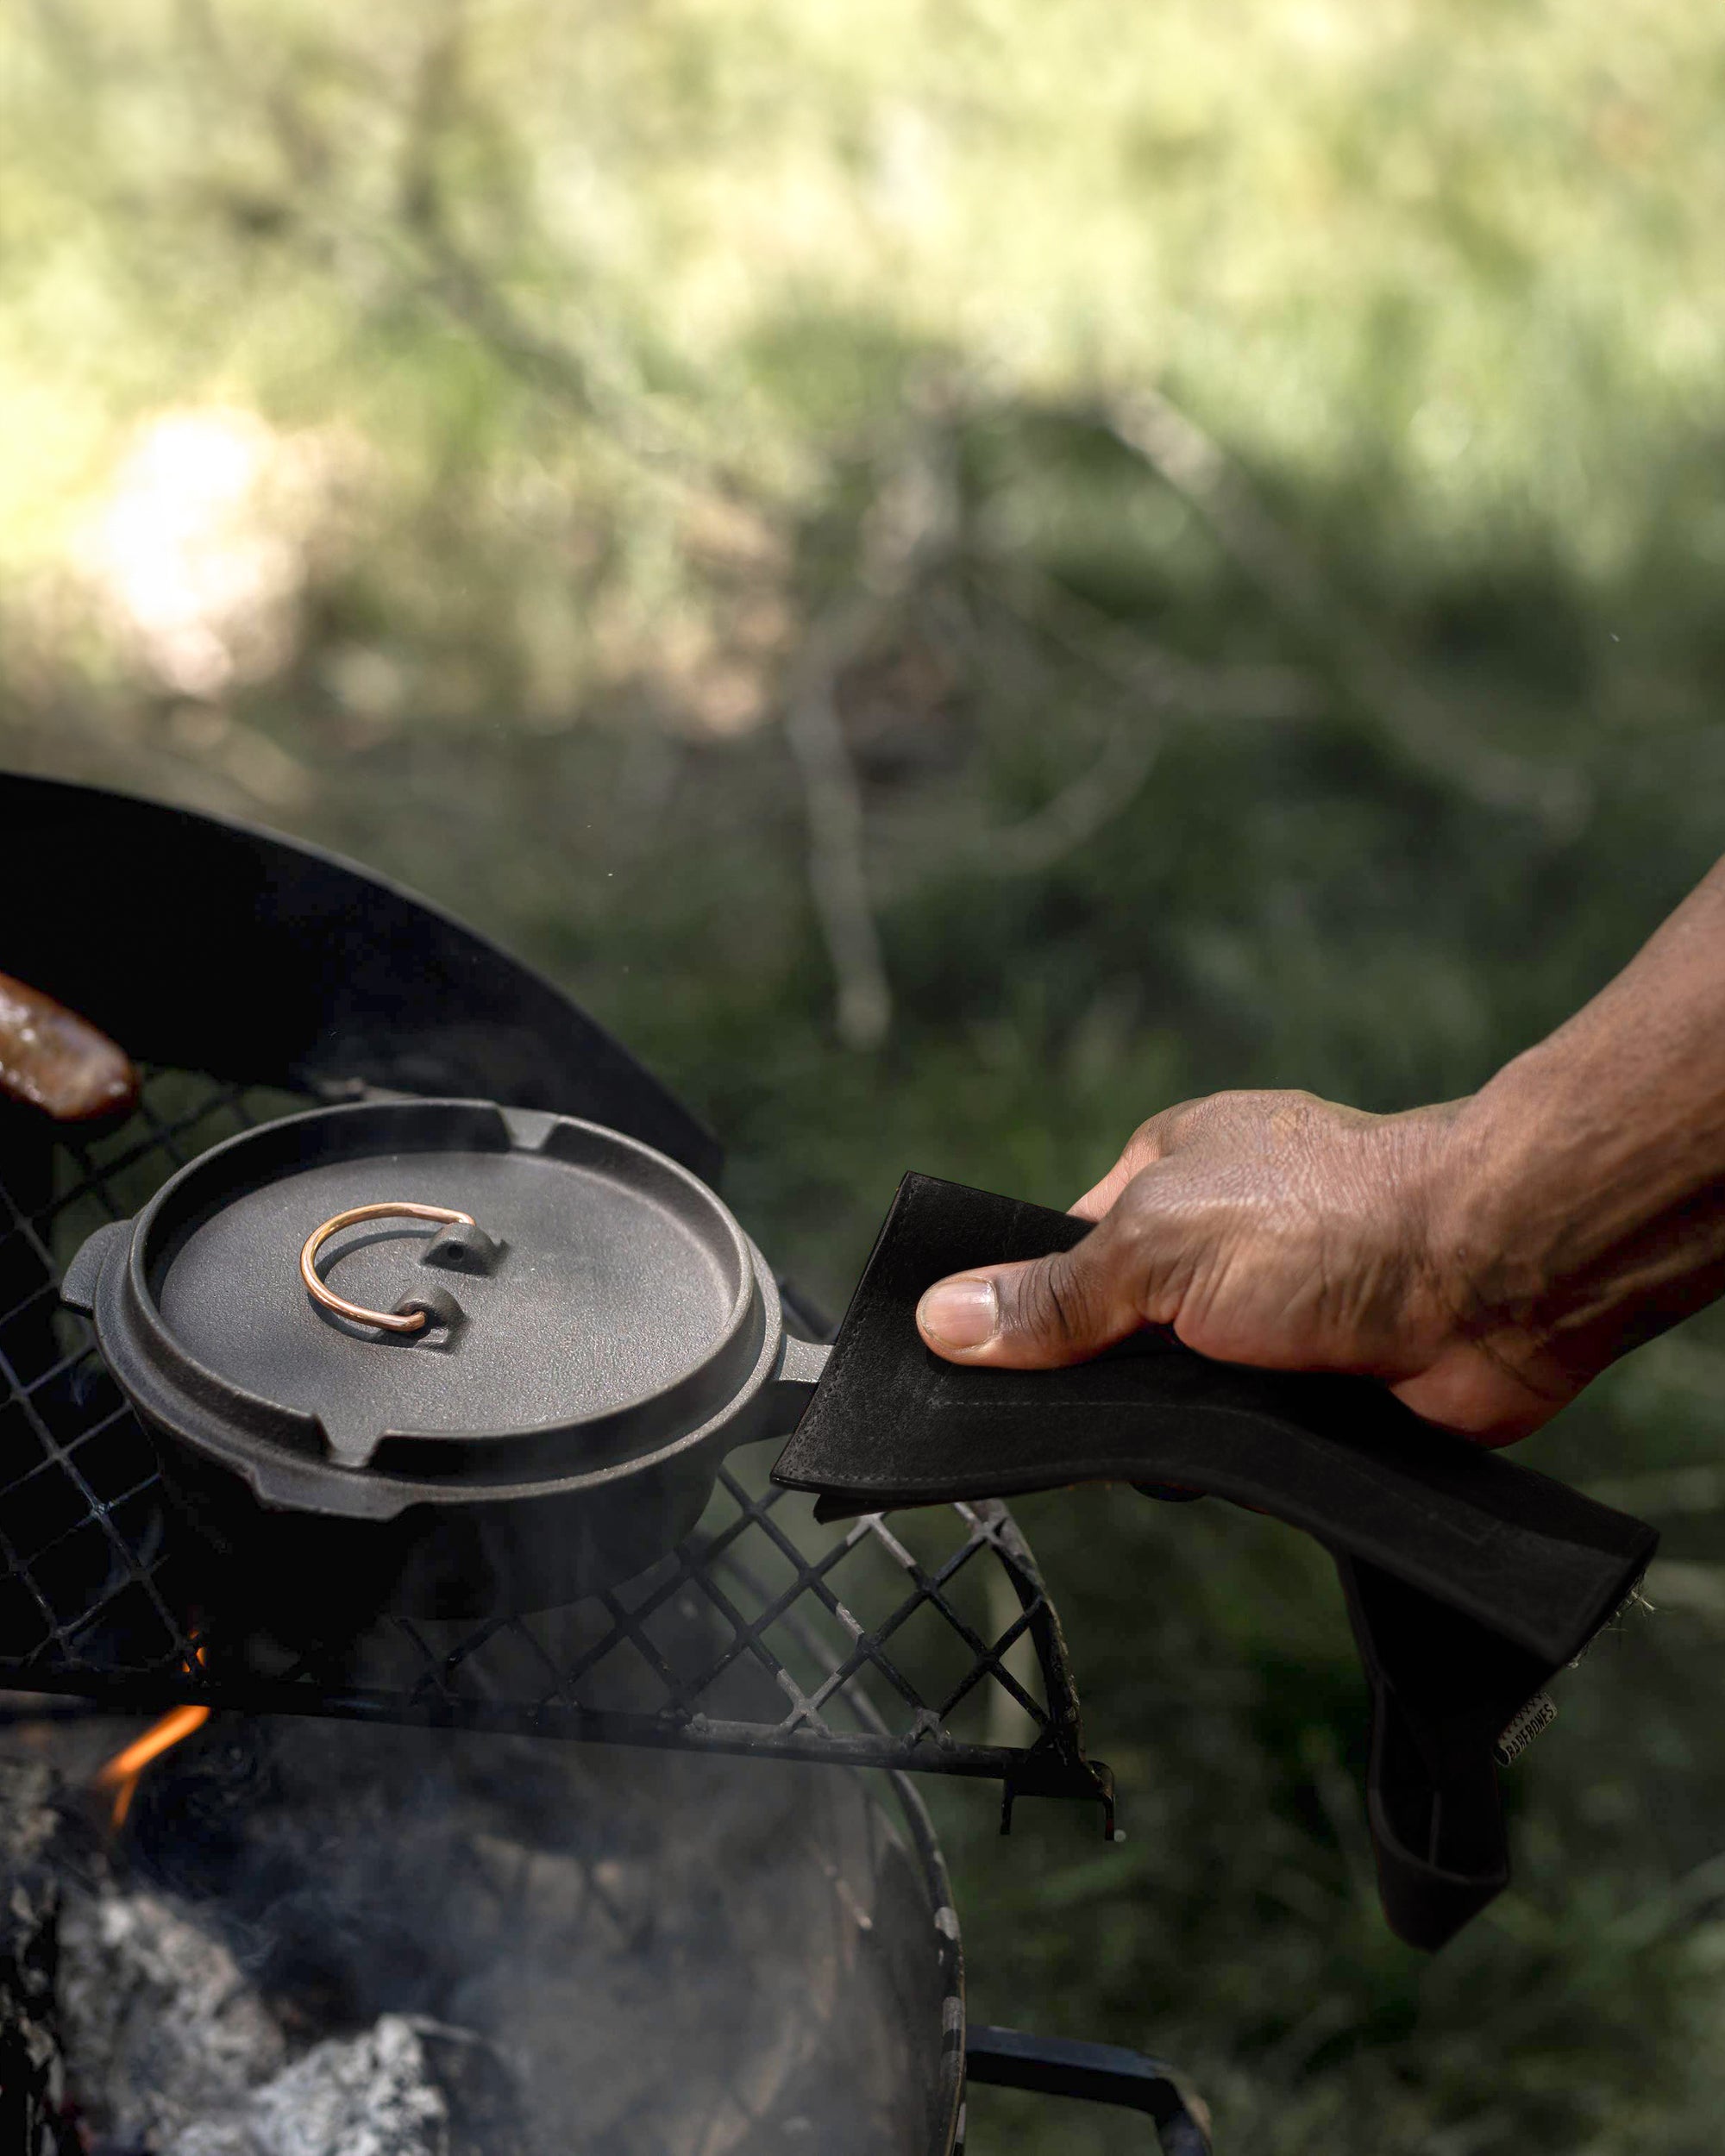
791,1388
78,1289
284,1485
801,1364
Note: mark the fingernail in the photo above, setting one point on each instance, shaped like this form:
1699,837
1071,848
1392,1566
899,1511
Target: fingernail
960,1314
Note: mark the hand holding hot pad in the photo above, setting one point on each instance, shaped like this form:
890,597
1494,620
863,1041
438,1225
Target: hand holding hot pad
1470,1581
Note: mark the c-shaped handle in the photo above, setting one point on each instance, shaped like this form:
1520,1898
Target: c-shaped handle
391,1321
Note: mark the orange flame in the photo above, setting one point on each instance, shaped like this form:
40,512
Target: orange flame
122,1771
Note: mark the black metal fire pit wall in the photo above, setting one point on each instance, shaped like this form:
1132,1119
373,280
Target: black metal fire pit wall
206,946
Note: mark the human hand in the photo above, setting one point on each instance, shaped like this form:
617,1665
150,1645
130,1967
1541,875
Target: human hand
1282,1231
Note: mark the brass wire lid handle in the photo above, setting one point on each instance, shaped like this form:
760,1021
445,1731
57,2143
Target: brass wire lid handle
388,1319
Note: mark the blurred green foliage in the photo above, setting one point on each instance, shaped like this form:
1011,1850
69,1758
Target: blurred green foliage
959,574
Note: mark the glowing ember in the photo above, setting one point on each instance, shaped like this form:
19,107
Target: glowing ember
123,1770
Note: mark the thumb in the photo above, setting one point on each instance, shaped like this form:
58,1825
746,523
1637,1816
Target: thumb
1040,1314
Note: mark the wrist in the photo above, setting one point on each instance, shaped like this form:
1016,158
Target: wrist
1496,1235
1474,1265
1580,1213
1482,1359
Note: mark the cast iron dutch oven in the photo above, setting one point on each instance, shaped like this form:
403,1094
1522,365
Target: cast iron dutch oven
440,1356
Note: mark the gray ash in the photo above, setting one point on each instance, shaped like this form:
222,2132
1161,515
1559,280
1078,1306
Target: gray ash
374,2095
162,2026
127,2024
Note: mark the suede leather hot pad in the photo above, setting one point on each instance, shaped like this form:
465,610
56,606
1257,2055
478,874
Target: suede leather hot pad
1470,1580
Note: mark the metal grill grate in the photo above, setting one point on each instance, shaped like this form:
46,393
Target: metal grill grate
928,1643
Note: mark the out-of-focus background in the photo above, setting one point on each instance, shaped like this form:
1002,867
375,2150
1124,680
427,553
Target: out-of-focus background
961,573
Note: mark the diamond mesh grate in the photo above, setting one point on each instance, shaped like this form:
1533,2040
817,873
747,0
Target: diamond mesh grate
928,1643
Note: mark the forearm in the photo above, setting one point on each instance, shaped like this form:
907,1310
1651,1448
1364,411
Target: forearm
1588,1205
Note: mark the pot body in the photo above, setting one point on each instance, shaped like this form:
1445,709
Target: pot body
306,1574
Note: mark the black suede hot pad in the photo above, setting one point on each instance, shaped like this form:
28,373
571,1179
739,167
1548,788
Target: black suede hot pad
1470,1580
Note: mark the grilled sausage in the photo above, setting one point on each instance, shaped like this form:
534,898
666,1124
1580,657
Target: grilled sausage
55,1061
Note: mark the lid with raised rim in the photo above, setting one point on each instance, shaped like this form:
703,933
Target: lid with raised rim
594,1305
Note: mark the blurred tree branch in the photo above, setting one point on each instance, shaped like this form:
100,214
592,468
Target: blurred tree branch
591,385
1423,727
1138,664
1102,791
838,873
1155,686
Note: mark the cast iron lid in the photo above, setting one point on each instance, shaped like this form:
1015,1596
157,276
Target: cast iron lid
597,1309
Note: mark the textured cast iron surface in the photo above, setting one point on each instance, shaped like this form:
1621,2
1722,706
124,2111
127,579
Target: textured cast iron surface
927,1643
616,1275
559,1333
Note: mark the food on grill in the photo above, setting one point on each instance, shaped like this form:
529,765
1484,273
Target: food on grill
57,1061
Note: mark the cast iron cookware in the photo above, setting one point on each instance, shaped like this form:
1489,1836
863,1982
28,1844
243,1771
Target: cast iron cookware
440,1357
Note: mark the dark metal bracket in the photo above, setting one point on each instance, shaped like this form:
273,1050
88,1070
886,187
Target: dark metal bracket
1052,1768
1091,2073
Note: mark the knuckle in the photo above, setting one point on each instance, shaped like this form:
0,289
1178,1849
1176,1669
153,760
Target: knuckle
1069,1303
1159,1133
1256,1120
1211,1117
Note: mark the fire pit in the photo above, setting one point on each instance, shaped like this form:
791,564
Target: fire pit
802,1903
258,1954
